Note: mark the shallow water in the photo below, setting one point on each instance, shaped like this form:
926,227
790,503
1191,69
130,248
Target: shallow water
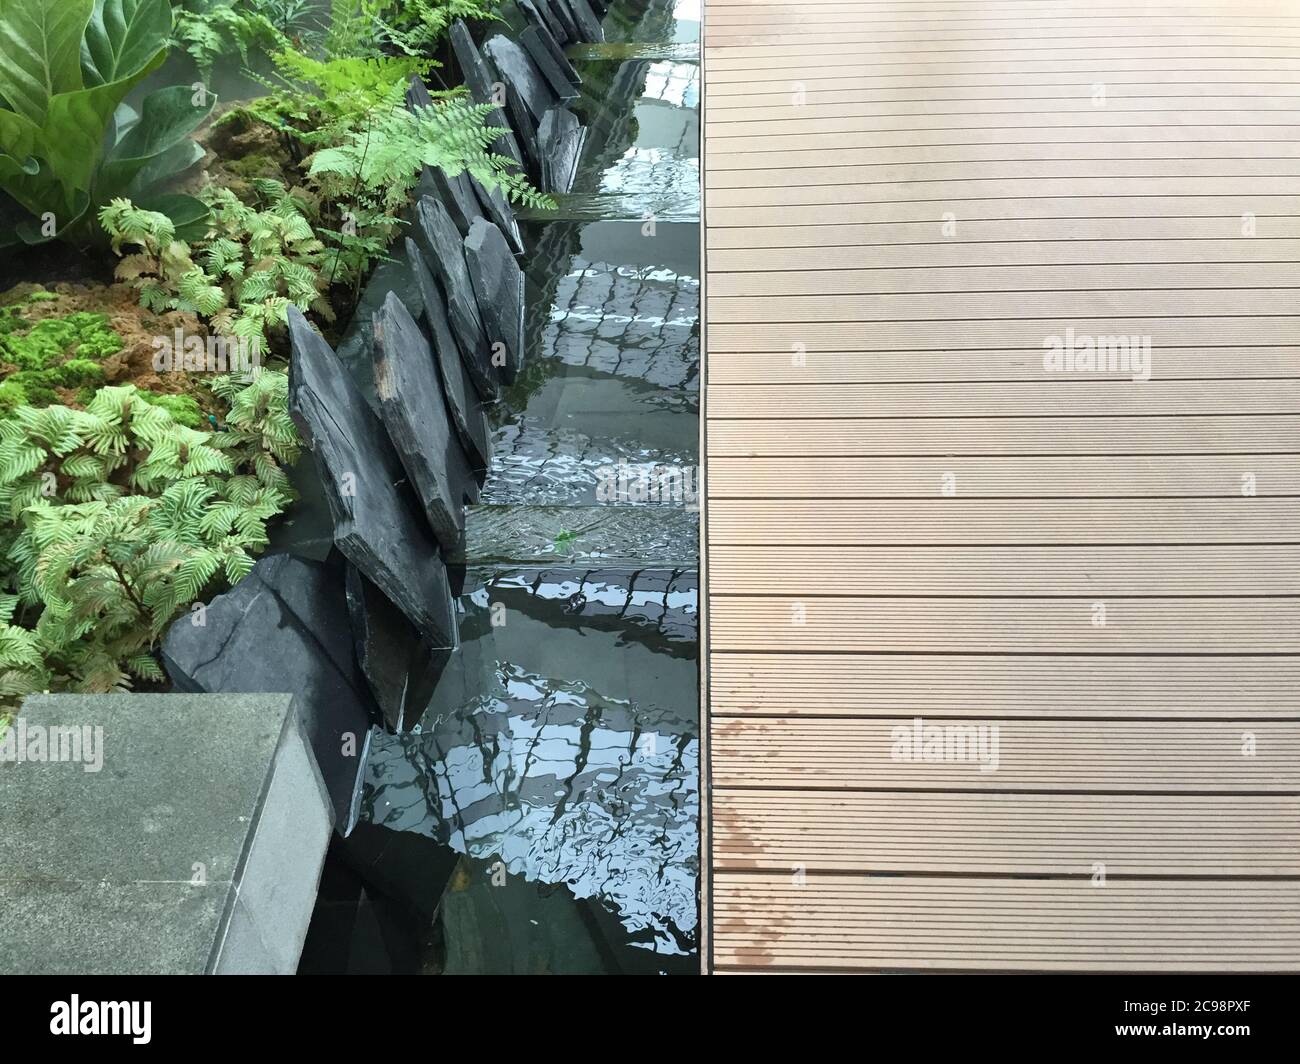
559,753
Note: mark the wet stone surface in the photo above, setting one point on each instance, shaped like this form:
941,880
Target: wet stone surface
376,522
516,69
462,401
443,250
543,49
499,287
479,78
285,627
560,137
415,413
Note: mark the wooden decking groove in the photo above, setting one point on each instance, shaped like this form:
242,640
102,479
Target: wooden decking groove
1001,661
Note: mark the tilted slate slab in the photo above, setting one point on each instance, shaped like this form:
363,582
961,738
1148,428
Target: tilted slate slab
561,13
417,93
588,23
499,284
195,848
376,522
415,413
479,79
546,54
466,410
539,13
561,137
497,209
457,195
285,627
516,69
388,648
441,242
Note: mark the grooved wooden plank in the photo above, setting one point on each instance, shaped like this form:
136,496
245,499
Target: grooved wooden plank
1256,434
828,284
852,922
1056,571
740,141
1139,476
1122,393
957,334
1025,834
723,105
955,520
1004,625
912,367
1008,187
1165,476
841,247
805,110
1187,83
1066,685
746,70
1040,755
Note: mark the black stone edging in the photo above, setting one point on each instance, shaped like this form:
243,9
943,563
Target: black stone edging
337,633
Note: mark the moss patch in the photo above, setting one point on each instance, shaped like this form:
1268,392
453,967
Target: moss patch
77,338
40,357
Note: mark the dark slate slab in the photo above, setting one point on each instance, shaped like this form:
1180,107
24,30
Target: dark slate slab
561,14
285,627
515,68
441,242
497,209
194,848
534,42
539,13
417,93
587,21
466,411
375,518
415,413
499,284
561,137
386,644
457,195
479,79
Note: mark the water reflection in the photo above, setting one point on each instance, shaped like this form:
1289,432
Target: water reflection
560,781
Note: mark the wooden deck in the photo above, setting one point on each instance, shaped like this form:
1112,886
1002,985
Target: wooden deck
910,519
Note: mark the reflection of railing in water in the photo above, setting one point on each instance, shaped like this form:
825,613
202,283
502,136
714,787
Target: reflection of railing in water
657,608
563,785
640,322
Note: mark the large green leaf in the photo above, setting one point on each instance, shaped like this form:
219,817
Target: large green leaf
73,141
175,160
123,38
40,46
189,215
33,231
167,118
19,137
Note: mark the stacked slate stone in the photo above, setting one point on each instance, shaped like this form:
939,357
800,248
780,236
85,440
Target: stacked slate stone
538,82
360,638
